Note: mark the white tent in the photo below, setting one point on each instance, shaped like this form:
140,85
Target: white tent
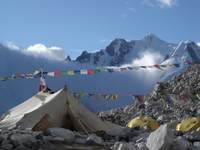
60,109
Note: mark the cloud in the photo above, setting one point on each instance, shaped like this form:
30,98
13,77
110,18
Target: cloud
12,46
198,44
168,3
40,50
160,3
147,58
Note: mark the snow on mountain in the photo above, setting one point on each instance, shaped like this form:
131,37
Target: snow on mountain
121,52
185,52
14,92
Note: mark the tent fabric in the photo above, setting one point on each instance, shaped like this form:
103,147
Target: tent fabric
51,110
143,121
189,124
83,119
32,110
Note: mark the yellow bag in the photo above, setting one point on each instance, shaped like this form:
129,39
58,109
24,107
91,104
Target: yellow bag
143,121
188,124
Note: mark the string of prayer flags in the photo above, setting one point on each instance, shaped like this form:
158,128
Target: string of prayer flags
59,73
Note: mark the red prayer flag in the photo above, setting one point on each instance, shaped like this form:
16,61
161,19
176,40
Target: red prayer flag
158,66
57,73
90,71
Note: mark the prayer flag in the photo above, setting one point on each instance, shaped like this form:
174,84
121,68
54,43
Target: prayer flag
158,66
51,74
64,73
90,71
110,70
77,71
97,70
177,65
124,69
57,73
83,72
70,72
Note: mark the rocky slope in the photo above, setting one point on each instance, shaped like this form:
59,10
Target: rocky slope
169,101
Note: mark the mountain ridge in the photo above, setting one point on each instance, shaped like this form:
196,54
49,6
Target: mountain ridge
121,51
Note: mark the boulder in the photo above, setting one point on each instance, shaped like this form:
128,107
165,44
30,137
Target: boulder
18,139
180,143
94,139
197,144
193,136
160,139
142,146
61,132
123,146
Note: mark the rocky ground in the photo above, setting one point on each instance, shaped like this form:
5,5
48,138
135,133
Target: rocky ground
168,103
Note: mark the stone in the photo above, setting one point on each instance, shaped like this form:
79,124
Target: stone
123,146
141,146
94,139
1,139
18,139
197,144
80,140
193,136
180,143
160,139
21,147
63,133
7,146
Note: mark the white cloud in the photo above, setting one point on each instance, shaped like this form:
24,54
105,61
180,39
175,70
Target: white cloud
160,3
198,44
147,58
40,50
167,3
12,46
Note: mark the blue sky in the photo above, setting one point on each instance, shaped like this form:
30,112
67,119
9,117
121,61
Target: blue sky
77,25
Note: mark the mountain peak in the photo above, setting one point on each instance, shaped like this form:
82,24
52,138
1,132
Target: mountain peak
151,36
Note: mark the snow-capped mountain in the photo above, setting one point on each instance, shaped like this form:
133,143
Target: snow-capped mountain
187,51
120,51
184,54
